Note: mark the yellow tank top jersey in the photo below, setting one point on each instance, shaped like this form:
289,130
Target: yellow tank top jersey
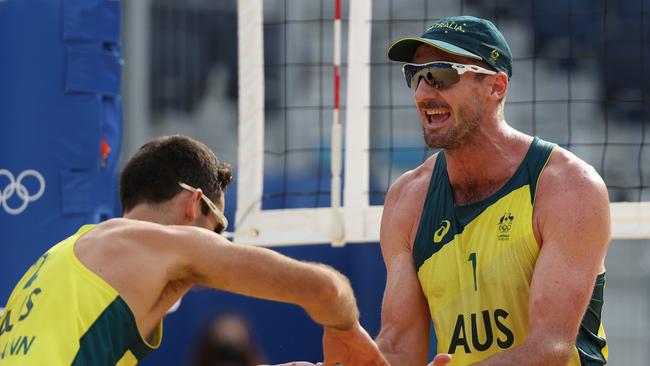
61,313
475,263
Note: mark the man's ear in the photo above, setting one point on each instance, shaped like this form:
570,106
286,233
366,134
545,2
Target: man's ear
499,86
193,205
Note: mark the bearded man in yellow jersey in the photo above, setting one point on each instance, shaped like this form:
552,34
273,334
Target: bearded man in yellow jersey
98,297
499,239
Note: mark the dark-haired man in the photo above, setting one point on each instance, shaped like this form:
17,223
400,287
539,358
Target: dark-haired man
99,296
500,238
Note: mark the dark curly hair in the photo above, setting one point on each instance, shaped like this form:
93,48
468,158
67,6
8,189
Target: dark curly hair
153,173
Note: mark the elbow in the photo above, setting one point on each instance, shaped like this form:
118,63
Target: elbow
336,293
553,353
330,291
335,290
561,354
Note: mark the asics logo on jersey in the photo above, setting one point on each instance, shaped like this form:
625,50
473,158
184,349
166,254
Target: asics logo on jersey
440,233
16,186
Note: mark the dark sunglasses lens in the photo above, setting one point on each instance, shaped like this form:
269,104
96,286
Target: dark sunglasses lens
445,78
438,76
409,72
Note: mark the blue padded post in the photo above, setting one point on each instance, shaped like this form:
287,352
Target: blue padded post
60,124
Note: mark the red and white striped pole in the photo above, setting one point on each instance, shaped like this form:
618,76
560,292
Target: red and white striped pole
337,216
337,61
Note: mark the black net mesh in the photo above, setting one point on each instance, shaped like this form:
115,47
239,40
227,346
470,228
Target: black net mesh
298,56
581,79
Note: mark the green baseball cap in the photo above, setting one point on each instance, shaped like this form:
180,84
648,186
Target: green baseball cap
466,36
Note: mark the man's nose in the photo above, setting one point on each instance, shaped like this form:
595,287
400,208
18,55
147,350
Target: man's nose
425,91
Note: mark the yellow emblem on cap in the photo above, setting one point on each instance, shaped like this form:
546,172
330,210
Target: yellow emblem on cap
494,55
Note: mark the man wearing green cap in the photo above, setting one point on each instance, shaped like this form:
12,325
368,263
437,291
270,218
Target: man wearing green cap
500,238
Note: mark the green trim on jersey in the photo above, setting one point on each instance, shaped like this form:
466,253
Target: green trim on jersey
528,172
439,208
116,321
590,343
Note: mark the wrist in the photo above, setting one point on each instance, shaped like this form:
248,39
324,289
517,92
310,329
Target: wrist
343,328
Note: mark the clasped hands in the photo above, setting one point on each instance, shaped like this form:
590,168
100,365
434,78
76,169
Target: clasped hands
354,347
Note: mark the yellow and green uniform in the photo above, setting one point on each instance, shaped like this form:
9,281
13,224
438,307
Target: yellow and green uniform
62,313
475,263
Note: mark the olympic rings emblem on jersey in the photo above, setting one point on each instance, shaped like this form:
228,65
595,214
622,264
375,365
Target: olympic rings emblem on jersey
16,186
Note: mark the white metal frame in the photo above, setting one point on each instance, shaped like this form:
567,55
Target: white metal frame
136,76
630,220
355,221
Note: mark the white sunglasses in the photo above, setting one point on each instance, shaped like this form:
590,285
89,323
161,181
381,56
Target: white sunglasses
223,221
439,74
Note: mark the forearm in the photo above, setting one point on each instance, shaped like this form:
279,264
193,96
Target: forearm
323,292
336,305
402,349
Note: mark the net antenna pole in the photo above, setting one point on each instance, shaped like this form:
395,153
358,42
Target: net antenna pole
338,233
250,155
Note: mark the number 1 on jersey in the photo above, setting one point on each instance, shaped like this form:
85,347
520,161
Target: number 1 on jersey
472,258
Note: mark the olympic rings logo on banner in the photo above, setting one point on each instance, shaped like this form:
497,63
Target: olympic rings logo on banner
16,186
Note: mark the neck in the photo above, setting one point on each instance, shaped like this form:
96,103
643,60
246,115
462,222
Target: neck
152,213
482,166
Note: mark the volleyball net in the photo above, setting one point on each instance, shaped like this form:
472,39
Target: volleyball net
326,123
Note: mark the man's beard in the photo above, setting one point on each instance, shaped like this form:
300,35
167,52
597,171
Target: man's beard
464,129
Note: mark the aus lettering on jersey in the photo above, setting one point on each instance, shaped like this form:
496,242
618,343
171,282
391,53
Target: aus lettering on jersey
15,345
18,346
493,327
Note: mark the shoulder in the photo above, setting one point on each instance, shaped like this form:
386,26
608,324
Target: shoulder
136,236
139,229
571,197
403,205
412,181
167,251
566,174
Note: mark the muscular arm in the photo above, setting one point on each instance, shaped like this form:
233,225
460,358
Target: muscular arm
404,335
324,293
574,226
208,259
177,257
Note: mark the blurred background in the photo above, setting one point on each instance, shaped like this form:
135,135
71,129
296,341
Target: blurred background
581,79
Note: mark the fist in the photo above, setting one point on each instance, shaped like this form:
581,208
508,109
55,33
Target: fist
441,359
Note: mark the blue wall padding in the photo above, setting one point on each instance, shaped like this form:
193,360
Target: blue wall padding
86,191
91,20
60,68
92,71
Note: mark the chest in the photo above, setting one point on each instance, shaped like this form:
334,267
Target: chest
469,190
459,250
